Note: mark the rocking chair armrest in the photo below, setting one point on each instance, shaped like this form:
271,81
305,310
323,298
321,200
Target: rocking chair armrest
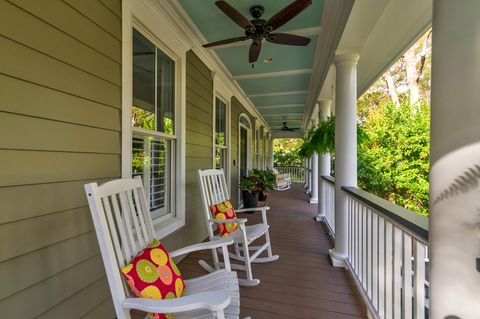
210,300
228,221
213,244
254,209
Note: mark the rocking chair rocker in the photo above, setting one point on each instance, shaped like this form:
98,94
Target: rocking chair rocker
214,190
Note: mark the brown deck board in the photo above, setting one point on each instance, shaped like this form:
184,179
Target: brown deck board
302,283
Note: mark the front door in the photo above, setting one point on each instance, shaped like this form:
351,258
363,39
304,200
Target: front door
243,151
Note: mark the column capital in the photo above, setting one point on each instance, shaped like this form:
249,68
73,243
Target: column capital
347,57
324,102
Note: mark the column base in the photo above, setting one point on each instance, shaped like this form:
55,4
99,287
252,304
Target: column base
313,200
338,260
319,217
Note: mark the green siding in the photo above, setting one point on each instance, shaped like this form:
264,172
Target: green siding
60,122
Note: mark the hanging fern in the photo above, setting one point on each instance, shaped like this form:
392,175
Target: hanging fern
321,139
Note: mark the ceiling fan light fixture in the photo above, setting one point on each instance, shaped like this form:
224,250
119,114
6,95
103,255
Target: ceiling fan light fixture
269,60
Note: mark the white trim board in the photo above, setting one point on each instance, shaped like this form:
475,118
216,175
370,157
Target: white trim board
278,93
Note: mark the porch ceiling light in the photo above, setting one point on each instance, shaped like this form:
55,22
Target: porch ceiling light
268,60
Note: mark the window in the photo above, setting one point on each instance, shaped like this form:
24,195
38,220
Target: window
220,147
153,123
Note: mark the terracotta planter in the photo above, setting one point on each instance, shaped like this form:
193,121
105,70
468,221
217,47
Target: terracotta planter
249,199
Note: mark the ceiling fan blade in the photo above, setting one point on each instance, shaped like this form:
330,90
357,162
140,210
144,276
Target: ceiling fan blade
236,16
287,13
226,41
254,52
289,39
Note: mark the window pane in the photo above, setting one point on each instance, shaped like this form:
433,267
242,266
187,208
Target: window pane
153,87
220,122
165,93
220,158
143,110
150,160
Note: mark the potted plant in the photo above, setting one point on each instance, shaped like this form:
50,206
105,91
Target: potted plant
248,186
265,181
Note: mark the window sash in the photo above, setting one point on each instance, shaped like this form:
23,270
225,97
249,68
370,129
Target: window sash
156,141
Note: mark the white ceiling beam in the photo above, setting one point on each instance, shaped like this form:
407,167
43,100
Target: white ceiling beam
277,93
264,107
304,32
269,115
272,74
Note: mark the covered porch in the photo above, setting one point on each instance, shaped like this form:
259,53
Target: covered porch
302,283
80,87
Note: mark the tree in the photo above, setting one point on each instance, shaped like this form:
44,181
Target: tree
395,113
285,152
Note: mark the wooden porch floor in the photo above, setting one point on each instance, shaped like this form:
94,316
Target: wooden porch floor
302,283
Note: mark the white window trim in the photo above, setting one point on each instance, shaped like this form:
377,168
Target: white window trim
148,19
227,134
249,148
225,94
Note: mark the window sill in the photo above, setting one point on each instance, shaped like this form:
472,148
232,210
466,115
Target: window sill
164,227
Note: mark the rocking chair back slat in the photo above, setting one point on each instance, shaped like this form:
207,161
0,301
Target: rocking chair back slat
214,190
129,208
139,216
115,238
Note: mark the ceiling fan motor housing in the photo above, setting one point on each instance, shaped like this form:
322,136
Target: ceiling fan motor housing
257,11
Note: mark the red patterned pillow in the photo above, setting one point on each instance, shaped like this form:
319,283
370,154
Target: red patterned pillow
224,210
153,274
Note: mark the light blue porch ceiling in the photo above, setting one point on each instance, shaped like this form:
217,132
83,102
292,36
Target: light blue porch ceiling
277,89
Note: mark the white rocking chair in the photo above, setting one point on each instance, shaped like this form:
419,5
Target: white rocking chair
124,227
214,190
282,181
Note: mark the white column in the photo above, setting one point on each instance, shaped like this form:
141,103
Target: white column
323,163
345,148
271,152
455,160
314,187
306,174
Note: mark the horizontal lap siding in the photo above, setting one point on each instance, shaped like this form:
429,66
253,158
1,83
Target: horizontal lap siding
60,122
199,149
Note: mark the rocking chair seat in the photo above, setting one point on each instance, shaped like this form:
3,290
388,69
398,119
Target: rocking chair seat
219,280
253,232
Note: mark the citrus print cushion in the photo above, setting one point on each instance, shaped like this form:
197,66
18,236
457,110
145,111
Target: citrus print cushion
153,274
224,210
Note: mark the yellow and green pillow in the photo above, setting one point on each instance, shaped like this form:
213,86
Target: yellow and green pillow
224,210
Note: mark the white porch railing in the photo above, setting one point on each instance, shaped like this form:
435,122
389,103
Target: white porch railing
328,185
297,173
387,253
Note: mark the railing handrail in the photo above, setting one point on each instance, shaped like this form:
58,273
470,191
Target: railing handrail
417,224
329,178
289,166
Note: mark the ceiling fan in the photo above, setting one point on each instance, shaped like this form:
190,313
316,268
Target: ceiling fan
285,128
259,29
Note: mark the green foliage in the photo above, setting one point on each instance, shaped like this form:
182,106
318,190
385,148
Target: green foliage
286,152
321,139
394,162
258,181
